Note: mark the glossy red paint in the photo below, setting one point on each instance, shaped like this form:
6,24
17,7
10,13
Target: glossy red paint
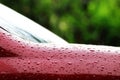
29,60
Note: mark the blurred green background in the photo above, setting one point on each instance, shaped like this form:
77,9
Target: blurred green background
76,21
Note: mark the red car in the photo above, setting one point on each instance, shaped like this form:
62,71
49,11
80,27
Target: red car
30,52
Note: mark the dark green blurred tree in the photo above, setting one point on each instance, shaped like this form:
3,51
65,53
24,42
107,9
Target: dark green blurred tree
104,15
79,21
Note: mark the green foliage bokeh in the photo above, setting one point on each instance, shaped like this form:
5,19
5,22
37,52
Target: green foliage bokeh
78,21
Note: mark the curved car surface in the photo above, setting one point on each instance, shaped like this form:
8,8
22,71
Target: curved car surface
25,28
28,59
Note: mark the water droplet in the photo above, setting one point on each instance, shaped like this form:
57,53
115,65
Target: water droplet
24,70
53,48
108,50
3,72
58,78
95,61
62,67
55,62
91,50
56,71
29,62
48,58
69,63
83,55
38,71
114,70
18,41
16,77
37,63
81,59
102,67
94,76
31,47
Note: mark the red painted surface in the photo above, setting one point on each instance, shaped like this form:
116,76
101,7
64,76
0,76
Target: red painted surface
57,61
6,68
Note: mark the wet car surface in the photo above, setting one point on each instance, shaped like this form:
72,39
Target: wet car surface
24,55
